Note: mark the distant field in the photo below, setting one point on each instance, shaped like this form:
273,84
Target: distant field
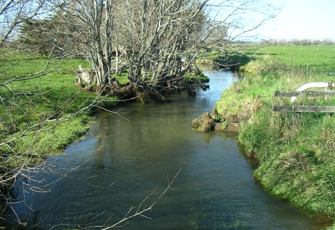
316,56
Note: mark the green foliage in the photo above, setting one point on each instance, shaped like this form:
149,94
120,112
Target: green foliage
295,151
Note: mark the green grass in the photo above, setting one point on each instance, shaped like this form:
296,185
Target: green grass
37,113
314,57
321,56
123,78
295,151
50,139
307,57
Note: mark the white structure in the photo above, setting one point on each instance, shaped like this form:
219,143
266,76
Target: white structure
325,85
85,77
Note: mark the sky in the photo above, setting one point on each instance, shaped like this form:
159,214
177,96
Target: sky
295,19
301,19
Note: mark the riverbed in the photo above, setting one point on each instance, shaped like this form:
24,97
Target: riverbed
130,157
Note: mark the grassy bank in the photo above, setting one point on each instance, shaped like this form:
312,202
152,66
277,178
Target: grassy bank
42,115
296,152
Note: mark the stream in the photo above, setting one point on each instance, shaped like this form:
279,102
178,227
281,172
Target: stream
131,157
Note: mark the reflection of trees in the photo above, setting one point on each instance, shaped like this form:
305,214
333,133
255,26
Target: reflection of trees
208,137
103,131
149,142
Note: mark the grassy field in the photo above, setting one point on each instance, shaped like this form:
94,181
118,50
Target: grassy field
41,115
320,56
295,151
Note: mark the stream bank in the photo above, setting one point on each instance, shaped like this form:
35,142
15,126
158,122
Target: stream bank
295,151
123,159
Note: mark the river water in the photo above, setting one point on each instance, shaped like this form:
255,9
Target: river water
128,157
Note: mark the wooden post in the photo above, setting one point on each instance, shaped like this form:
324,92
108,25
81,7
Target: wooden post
303,109
301,92
304,93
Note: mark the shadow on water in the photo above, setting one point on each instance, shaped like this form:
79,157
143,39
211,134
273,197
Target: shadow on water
124,159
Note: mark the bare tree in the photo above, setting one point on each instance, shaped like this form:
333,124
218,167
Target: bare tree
17,105
156,41
14,12
159,39
233,20
93,21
